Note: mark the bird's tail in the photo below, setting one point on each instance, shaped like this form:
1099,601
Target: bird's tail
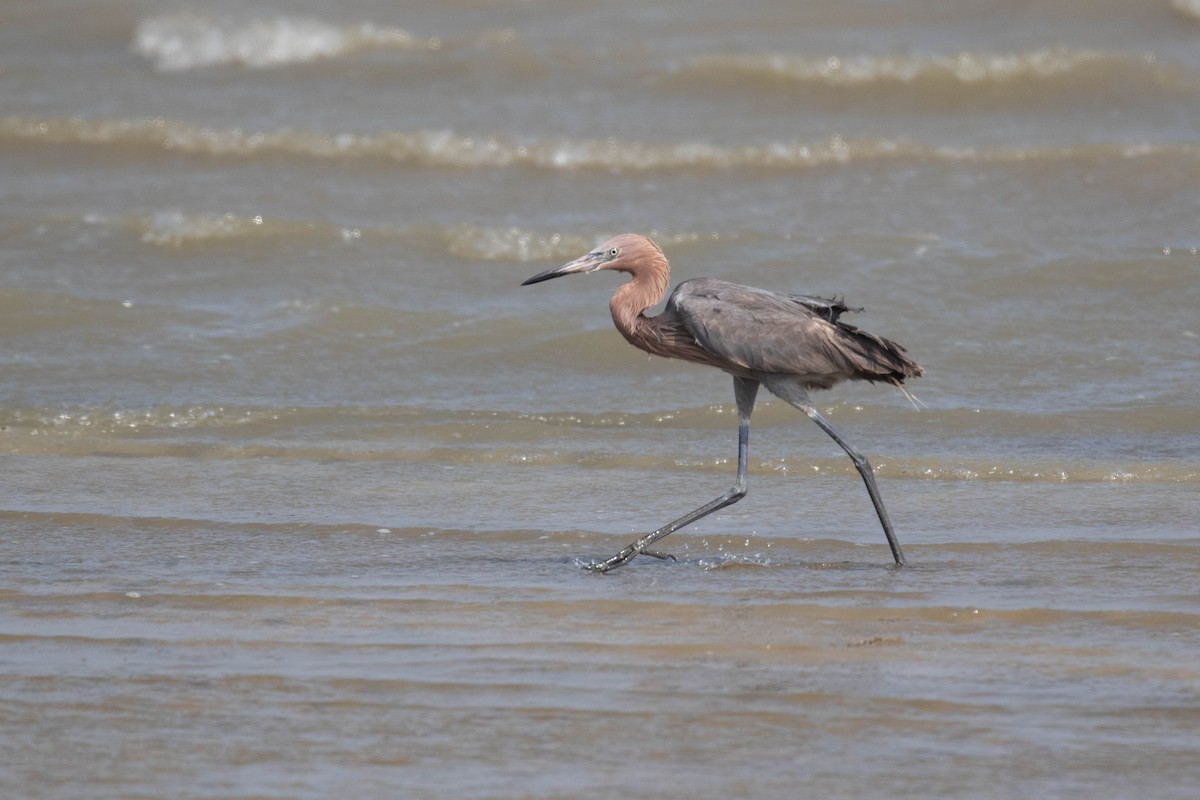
917,403
878,359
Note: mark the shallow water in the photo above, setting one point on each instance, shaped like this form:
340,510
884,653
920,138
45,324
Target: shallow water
297,480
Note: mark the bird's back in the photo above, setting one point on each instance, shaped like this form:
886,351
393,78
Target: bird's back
748,331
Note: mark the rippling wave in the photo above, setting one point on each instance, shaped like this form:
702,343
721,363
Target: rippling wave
176,228
449,149
186,41
495,437
714,551
189,229
939,77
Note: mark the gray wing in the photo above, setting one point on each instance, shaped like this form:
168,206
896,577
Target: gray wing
757,331
828,309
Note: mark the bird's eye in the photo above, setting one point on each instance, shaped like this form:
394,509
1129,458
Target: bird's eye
613,253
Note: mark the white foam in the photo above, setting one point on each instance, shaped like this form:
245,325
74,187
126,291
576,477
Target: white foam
187,41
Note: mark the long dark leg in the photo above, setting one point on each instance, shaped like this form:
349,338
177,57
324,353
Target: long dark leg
744,390
864,468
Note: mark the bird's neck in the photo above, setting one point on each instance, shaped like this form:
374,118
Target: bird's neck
631,300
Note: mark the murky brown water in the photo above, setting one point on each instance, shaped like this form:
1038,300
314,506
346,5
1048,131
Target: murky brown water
296,481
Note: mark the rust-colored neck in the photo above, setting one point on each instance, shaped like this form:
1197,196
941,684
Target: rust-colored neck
651,274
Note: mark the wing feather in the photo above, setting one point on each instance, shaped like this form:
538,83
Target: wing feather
751,330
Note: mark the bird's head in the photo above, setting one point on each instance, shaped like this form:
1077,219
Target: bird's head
625,253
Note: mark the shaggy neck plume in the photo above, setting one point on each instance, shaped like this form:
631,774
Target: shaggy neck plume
651,274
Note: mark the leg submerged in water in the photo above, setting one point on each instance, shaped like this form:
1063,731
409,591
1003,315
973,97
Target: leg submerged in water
744,390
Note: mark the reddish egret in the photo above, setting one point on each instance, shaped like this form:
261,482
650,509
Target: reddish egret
789,343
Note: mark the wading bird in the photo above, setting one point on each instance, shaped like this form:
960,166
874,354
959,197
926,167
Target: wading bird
789,343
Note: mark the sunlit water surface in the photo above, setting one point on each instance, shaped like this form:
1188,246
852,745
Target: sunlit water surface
297,483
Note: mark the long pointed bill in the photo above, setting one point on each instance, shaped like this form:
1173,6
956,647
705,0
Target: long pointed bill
588,263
